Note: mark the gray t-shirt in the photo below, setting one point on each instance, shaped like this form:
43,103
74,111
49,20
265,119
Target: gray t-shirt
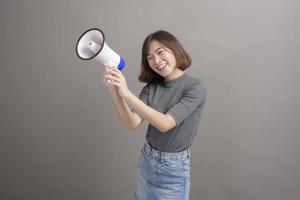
182,98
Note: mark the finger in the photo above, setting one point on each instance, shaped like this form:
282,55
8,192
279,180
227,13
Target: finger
112,78
109,76
112,83
116,70
109,68
113,72
109,72
108,83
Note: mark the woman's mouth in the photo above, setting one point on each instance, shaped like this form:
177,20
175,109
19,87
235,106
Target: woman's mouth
161,67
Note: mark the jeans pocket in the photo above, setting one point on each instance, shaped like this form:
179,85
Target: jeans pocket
173,165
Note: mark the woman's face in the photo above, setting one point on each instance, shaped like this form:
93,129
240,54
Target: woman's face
162,60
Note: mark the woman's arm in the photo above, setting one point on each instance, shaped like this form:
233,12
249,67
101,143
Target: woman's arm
163,122
128,118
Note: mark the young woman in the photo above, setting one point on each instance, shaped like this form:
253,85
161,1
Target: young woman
171,102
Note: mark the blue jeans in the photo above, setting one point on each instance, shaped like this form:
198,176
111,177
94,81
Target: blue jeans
163,175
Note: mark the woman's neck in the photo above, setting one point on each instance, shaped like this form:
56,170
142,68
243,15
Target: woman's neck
175,74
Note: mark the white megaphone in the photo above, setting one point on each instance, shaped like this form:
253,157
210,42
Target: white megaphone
91,45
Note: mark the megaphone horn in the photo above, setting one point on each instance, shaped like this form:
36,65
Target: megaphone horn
91,45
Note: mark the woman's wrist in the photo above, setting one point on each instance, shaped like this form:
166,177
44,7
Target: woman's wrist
127,95
114,92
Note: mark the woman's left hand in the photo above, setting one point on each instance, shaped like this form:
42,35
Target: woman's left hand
114,77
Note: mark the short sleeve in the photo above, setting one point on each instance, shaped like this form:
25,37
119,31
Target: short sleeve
143,96
191,99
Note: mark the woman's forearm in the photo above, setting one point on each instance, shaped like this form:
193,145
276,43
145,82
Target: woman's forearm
163,122
128,118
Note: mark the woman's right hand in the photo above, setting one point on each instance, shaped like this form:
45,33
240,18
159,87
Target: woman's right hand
114,78
111,87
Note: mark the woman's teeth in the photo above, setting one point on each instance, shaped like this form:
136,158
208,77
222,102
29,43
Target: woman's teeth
162,66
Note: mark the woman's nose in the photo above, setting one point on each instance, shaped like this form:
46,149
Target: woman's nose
156,59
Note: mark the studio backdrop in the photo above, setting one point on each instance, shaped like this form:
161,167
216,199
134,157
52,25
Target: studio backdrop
60,137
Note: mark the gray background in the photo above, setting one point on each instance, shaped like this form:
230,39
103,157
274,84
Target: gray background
60,137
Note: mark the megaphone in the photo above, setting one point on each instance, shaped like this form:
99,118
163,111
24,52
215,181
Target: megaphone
91,45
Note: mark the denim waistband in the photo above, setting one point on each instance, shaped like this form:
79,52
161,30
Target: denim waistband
148,150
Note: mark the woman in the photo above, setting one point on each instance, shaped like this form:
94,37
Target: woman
171,102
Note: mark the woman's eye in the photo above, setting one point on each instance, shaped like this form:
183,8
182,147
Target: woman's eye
160,52
149,58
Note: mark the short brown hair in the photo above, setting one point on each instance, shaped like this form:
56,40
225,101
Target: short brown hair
165,38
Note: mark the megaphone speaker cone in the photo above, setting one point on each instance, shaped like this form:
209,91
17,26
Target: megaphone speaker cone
91,45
